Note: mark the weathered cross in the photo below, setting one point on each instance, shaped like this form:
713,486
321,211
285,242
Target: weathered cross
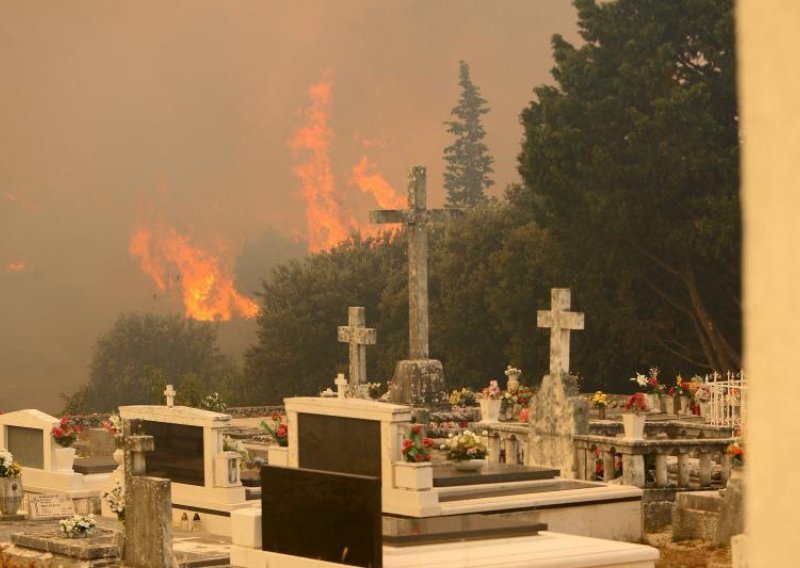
358,336
416,220
340,383
560,321
170,393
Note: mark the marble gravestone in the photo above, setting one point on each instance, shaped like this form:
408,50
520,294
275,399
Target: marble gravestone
557,412
419,379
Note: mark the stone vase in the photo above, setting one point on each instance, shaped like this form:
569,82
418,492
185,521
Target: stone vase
512,385
686,404
653,403
670,403
11,495
490,410
64,459
469,465
601,412
676,402
662,403
634,425
409,475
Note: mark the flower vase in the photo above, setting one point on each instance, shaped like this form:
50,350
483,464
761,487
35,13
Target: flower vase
676,404
512,385
662,403
410,475
64,459
634,425
10,495
490,409
652,402
671,406
686,404
469,465
601,412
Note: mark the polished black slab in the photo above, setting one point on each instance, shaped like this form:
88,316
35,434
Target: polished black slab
344,445
94,465
321,515
449,476
402,531
26,445
178,453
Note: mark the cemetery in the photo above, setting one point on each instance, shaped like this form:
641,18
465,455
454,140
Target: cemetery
536,480
553,373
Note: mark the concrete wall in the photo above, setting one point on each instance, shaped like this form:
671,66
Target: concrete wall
770,112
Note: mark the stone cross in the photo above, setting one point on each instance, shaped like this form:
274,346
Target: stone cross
341,383
358,336
560,321
416,220
170,393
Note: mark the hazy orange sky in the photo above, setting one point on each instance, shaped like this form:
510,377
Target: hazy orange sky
180,115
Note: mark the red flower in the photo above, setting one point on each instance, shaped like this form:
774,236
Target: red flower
65,421
57,432
281,431
416,429
427,442
276,415
420,457
407,443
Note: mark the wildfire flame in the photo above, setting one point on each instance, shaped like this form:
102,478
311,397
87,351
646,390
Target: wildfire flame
327,222
16,266
376,185
207,289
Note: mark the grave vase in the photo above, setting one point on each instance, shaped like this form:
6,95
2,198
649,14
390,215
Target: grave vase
686,404
513,383
634,425
601,412
64,459
653,403
469,465
409,475
10,495
490,410
662,403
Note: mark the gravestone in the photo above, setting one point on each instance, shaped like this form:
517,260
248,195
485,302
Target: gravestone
50,506
358,336
344,445
419,379
27,445
327,516
178,454
557,412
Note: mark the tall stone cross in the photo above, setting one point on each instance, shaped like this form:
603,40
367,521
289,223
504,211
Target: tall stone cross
416,220
560,321
358,336
170,393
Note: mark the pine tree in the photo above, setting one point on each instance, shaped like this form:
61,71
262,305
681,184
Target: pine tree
469,164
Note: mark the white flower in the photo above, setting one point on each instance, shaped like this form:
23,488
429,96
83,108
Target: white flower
640,379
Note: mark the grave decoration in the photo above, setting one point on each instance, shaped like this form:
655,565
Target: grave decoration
513,374
467,451
278,431
11,492
490,402
633,421
600,402
65,435
415,447
464,397
50,506
78,526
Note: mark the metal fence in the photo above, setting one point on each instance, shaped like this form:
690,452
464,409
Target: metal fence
728,398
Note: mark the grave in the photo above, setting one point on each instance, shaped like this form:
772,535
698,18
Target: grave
26,434
189,452
343,513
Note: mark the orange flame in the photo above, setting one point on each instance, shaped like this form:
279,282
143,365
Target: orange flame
16,266
207,290
328,223
376,185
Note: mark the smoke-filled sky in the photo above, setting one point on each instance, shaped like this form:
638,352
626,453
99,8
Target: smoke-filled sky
144,144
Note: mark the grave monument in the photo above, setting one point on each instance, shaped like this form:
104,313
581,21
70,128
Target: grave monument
419,379
358,336
557,410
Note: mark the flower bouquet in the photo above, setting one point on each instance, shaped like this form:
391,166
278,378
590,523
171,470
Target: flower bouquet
415,447
114,426
465,448
464,397
116,500
634,421
736,453
65,433
78,526
8,467
278,431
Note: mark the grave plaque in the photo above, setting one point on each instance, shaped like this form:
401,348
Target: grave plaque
50,506
178,454
26,445
343,445
322,515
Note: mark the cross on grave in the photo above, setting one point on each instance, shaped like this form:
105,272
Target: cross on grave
170,393
340,383
560,321
416,220
358,336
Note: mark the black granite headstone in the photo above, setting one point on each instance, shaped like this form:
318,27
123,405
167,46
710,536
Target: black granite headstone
322,515
344,445
178,454
26,445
